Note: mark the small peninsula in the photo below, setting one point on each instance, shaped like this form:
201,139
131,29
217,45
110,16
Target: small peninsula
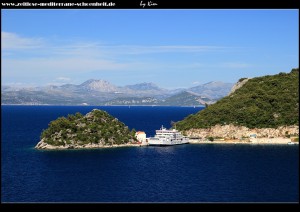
96,129
257,110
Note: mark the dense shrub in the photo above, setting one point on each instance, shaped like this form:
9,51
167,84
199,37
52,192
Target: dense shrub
91,128
268,101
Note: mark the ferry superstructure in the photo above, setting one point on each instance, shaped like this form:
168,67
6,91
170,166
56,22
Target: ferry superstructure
164,137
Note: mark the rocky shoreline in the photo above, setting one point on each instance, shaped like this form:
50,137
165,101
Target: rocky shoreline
276,141
231,132
252,141
222,134
43,145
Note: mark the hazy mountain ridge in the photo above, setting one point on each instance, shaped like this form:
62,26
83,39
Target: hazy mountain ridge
145,86
187,98
101,92
212,89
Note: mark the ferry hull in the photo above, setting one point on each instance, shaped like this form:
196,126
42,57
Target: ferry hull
166,143
153,144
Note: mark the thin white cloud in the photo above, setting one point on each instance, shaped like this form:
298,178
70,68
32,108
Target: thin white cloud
20,84
63,79
77,49
235,65
133,49
60,81
12,41
59,65
203,66
38,57
96,50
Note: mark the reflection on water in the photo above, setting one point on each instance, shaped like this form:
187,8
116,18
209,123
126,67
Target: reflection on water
164,149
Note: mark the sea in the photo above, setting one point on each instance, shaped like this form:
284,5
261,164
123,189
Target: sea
191,173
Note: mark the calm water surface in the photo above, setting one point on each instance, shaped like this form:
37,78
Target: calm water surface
186,173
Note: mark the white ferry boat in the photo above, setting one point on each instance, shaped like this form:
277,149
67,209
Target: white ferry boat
166,137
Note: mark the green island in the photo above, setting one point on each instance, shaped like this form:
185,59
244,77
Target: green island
257,110
94,130
264,107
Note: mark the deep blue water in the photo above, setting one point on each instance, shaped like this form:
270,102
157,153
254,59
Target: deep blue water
186,173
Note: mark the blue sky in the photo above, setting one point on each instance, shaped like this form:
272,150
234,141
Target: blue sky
172,48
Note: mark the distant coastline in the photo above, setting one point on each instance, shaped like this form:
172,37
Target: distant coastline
101,92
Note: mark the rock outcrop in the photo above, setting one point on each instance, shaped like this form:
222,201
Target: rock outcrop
236,132
238,85
43,145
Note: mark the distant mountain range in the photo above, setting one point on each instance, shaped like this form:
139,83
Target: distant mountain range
101,92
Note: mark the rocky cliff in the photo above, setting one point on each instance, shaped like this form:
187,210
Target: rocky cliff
238,85
237,132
